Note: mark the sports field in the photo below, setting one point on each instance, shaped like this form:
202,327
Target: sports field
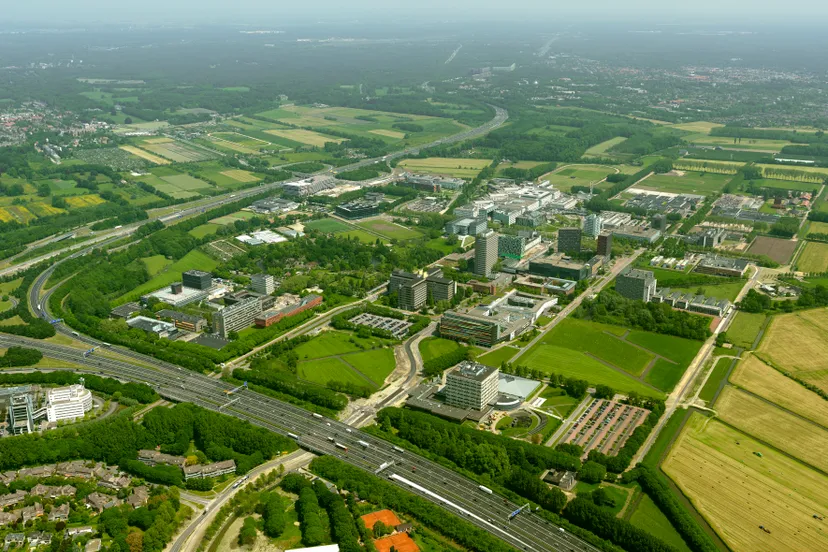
680,182
327,225
796,342
390,230
800,438
145,155
307,137
757,377
744,329
814,258
737,490
778,249
459,167
579,175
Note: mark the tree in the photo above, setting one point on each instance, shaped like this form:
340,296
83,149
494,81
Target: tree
592,472
380,530
247,534
601,497
135,541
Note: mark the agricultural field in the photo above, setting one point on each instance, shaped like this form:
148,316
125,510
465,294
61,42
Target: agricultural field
814,258
193,260
116,158
179,186
699,127
433,347
813,175
84,201
786,185
698,165
177,152
231,139
737,490
147,156
390,230
760,379
680,182
817,227
796,342
600,150
579,175
327,225
745,328
787,432
307,137
726,142
460,168
395,134
778,249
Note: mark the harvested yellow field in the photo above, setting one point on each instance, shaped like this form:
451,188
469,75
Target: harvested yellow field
145,155
5,216
388,133
796,342
84,201
759,378
789,433
233,146
161,140
308,137
737,491
240,175
45,209
697,126
814,258
460,167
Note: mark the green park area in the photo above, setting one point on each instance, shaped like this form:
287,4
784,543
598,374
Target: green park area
648,517
580,175
167,274
433,347
498,356
685,183
388,229
344,357
327,226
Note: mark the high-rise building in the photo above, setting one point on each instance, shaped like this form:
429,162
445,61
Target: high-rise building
411,289
262,283
472,385
569,240
593,225
605,244
485,253
236,317
21,414
660,222
440,289
636,284
197,279
67,403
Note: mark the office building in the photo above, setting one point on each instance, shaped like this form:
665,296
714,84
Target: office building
68,403
263,283
357,209
440,288
593,225
21,415
559,266
309,186
197,279
150,325
270,317
411,289
636,233
472,385
184,321
532,219
236,317
514,247
636,284
722,266
569,240
605,245
485,253
660,222
467,226
710,237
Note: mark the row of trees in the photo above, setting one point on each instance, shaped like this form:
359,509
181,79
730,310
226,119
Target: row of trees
20,356
137,392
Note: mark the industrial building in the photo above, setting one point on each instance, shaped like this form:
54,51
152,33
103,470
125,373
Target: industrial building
605,245
236,317
569,240
197,279
636,284
150,325
68,403
614,219
722,266
472,385
263,283
431,183
309,186
485,254
593,225
270,317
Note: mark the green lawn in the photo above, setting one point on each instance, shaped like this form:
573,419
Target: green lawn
665,375
677,349
389,229
7,287
690,183
662,443
744,329
603,147
336,343
719,372
497,357
377,364
648,517
727,291
580,175
323,370
156,264
207,229
327,225
361,235
432,347
557,401
193,260
439,244
4,305
618,495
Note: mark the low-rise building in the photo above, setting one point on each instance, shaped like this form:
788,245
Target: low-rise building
60,513
67,403
268,318
9,518
360,208
154,457
152,326
12,499
31,512
139,496
72,532
14,540
637,233
184,321
561,478
125,311
722,266
215,469
560,266
100,502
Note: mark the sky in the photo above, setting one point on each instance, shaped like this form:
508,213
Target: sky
70,12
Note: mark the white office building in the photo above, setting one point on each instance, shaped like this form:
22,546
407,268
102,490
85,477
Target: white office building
593,225
67,403
262,283
237,317
472,385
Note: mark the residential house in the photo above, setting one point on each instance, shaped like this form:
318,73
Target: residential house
73,532
153,457
59,513
9,518
39,471
115,482
210,470
100,502
561,478
7,477
38,538
76,468
12,499
139,496
403,527
32,512
14,540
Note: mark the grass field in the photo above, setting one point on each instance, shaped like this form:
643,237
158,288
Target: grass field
727,291
323,370
703,165
579,175
204,230
156,264
498,356
768,170
744,329
648,517
389,229
376,364
781,184
178,152
361,235
697,126
589,337
755,144
459,167
432,347
759,378
814,258
778,249
717,375
307,137
665,375
336,343
799,438
241,176
817,227
557,401
145,155
677,349
233,217
193,260
602,148
690,183
327,225
737,491
796,343
395,134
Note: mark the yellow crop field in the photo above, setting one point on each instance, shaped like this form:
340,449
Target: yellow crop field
799,438
796,342
737,490
161,140
389,133
84,201
145,155
5,216
45,209
240,175
759,378
698,126
814,258
308,137
233,146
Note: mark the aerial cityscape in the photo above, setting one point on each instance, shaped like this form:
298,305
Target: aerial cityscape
389,279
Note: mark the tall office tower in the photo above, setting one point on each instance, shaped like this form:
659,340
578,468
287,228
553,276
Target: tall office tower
605,244
593,225
197,279
569,240
262,283
485,253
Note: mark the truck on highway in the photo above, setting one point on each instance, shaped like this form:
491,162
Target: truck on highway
293,436
341,446
399,449
485,489
363,443
315,415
